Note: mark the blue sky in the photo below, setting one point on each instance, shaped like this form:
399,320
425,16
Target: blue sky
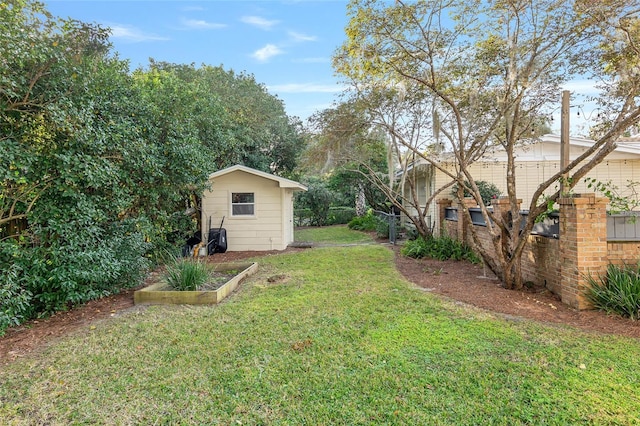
286,45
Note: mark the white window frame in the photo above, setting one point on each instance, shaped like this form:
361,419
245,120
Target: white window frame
241,215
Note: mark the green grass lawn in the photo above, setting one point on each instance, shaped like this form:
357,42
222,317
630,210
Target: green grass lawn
332,234
338,338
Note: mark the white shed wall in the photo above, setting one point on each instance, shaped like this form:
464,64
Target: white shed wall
263,231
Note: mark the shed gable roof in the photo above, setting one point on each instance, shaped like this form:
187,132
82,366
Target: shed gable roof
282,182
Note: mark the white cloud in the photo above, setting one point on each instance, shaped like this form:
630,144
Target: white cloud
267,52
259,22
132,34
199,24
299,37
306,88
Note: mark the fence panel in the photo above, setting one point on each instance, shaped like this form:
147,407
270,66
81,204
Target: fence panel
451,213
393,222
623,227
620,227
549,227
476,216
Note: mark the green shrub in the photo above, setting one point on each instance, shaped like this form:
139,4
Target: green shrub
382,228
14,299
340,215
441,248
417,248
77,264
368,222
411,232
186,274
618,291
335,216
302,217
488,191
317,200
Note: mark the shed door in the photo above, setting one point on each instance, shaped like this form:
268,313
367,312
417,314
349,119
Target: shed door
287,223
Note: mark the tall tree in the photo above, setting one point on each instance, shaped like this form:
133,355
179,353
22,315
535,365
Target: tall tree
63,118
405,113
343,143
91,169
492,69
250,125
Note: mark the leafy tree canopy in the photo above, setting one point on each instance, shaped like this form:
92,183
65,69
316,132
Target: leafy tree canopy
249,127
482,74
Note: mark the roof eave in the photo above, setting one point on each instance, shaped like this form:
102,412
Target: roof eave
282,182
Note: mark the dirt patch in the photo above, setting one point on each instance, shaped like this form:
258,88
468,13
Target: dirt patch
19,341
459,281
217,280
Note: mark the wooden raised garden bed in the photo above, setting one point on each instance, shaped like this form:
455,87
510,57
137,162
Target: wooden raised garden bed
161,293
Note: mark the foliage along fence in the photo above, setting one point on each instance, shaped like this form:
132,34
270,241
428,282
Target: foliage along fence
333,216
391,222
560,261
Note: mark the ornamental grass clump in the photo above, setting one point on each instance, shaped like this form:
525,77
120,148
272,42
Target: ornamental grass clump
186,274
617,291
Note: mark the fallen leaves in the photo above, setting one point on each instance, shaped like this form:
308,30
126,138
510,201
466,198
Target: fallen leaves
301,346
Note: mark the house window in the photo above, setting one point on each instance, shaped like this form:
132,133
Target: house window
242,204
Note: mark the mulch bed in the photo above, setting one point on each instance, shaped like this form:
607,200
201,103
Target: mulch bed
468,283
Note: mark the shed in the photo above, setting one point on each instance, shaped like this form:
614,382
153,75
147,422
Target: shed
257,208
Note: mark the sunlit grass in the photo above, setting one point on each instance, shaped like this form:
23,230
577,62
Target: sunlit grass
326,336
338,234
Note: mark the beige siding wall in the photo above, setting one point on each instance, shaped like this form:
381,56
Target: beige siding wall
529,175
424,189
264,231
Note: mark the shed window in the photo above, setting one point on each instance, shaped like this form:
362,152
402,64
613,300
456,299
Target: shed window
242,204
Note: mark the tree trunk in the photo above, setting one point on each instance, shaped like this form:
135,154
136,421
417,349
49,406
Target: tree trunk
513,274
361,208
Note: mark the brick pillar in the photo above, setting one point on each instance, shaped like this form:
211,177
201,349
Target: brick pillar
463,221
502,207
583,245
443,203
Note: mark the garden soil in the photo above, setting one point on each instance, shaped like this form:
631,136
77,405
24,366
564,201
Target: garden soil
461,282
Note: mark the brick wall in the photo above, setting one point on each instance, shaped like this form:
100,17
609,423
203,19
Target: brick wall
446,227
450,228
561,265
623,252
541,262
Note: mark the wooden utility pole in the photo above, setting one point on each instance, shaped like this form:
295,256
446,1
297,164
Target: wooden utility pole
564,142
